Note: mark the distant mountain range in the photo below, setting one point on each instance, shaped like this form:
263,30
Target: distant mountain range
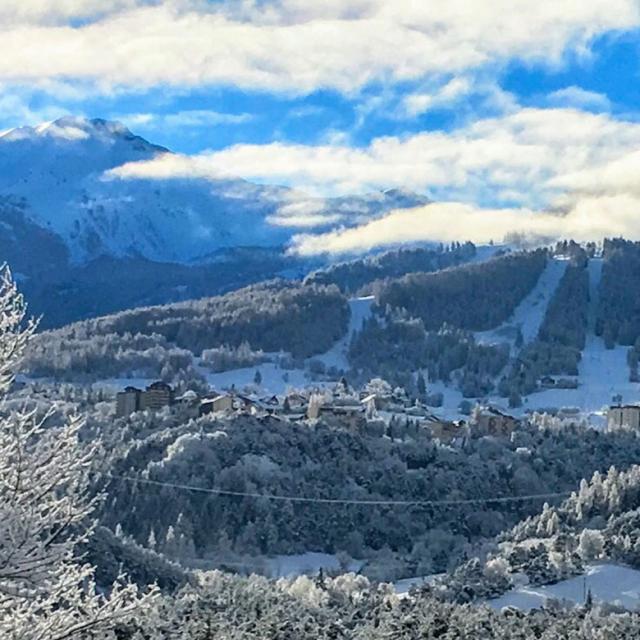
84,243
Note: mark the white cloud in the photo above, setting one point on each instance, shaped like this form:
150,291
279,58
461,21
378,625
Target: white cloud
291,46
60,11
502,173
579,98
591,218
519,158
184,119
304,213
418,103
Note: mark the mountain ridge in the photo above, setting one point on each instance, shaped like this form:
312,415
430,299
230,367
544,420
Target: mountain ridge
63,171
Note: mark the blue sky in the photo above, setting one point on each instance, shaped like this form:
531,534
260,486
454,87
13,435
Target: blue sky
500,105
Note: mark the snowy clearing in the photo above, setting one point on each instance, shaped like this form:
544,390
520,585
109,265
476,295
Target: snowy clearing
608,583
275,381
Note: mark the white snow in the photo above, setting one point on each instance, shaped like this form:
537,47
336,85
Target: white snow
610,583
73,175
275,381
273,377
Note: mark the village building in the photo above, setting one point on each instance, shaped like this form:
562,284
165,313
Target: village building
221,402
446,431
493,422
128,402
156,396
623,417
345,414
295,403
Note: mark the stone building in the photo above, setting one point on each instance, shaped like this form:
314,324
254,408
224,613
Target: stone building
623,417
128,401
156,396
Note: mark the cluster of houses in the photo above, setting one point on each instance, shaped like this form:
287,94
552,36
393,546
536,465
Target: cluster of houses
340,406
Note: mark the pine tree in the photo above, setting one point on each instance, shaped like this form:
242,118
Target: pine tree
421,385
45,513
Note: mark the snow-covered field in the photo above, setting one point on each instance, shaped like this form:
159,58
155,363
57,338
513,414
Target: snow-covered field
608,583
308,563
275,381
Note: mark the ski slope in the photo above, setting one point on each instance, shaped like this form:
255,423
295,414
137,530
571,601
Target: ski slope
529,314
337,356
602,372
610,583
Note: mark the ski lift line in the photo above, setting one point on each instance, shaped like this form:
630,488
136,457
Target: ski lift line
340,501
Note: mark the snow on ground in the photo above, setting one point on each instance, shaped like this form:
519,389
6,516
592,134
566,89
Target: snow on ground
602,373
281,566
608,583
308,563
529,314
118,384
275,381
402,587
337,355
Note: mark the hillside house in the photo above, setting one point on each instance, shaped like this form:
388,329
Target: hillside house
623,417
344,414
446,431
493,422
221,402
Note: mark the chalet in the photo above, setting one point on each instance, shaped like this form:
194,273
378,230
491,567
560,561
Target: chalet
547,382
623,417
446,431
493,422
128,402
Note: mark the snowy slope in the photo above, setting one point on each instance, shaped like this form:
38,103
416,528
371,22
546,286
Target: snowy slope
608,583
61,173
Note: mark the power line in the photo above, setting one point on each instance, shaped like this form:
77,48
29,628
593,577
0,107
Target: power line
338,501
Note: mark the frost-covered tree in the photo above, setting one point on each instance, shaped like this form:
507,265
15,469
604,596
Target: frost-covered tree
46,592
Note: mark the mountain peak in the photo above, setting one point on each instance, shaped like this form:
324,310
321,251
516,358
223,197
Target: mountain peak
72,128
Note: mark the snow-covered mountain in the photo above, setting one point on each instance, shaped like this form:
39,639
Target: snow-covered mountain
59,173
83,242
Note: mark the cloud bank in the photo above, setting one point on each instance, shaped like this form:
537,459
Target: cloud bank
541,172
525,158
291,46
591,218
